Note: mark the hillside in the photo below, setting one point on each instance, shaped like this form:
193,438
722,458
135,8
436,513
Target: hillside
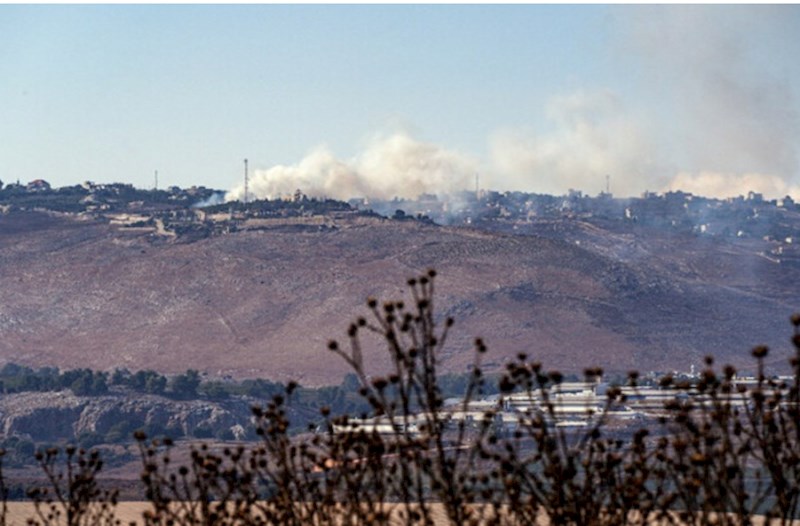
262,302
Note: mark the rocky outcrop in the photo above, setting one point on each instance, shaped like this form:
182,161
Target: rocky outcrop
61,415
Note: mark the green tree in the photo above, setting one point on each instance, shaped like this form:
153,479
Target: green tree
120,377
184,386
88,383
215,390
260,388
155,384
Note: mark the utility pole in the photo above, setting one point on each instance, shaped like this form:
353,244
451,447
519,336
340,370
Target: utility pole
245,181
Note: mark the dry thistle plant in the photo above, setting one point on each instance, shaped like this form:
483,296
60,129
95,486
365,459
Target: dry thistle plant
427,456
3,492
73,496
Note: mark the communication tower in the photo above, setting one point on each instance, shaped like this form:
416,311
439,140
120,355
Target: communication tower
245,182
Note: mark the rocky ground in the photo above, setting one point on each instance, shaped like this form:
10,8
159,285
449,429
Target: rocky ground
55,416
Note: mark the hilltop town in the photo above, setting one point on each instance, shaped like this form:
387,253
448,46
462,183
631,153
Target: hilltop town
776,221
198,212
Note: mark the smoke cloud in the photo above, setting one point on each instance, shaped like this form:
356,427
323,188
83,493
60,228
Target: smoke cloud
593,137
711,116
731,119
732,184
390,166
716,120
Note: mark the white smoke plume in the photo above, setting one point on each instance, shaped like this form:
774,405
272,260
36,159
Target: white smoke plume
732,184
593,137
214,199
711,117
717,121
390,166
732,121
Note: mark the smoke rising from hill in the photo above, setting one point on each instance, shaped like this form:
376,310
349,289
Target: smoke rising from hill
715,120
391,166
718,122
730,115
732,184
593,137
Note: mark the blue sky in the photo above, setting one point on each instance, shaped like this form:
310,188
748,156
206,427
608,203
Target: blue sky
344,100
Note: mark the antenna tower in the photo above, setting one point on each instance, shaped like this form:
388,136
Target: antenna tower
245,181
155,185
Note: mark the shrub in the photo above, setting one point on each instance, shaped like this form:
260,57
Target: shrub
184,386
72,494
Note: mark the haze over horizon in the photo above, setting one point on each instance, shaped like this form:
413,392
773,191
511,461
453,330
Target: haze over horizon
387,101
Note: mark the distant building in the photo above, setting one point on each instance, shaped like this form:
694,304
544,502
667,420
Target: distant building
38,185
755,196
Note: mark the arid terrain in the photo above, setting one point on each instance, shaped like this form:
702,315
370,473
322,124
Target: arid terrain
263,302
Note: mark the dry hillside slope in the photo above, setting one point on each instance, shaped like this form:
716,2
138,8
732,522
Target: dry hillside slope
264,302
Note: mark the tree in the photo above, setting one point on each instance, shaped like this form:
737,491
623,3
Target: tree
99,384
88,383
185,385
155,384
148,382
215,390
120,377
260,388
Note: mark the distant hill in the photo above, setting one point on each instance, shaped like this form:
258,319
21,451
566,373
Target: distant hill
263,299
